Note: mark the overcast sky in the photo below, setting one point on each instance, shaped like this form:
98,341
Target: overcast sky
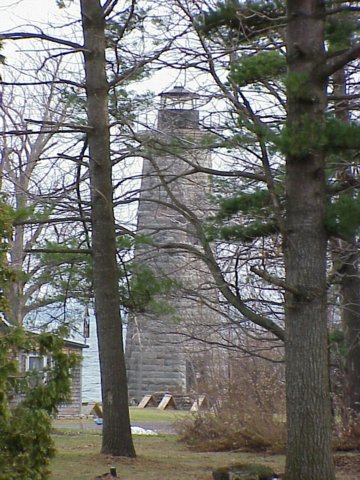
21,15
15,13
18,15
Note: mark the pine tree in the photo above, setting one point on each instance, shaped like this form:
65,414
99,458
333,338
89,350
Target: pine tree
307,140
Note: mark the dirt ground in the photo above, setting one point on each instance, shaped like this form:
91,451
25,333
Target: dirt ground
348,465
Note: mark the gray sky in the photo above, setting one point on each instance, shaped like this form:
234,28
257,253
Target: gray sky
22,15
19,15
23,12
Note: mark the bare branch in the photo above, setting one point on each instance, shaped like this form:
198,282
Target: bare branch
59,250
342,8
49,221
130,71
61,81
278,282
42,36
74,126
341,60
40,132
109,6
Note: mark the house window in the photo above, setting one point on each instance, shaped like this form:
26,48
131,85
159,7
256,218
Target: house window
34,361
35,364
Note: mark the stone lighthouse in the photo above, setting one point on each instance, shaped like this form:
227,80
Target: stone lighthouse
162,350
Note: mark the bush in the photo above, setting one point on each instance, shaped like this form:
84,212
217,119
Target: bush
26,408
244,471
248,412
346,420
347,428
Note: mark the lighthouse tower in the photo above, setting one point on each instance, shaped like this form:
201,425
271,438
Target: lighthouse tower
162,353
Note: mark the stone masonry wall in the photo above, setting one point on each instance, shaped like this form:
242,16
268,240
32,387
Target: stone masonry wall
159,349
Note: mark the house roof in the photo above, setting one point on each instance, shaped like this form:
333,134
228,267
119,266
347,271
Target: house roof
4,323
75,343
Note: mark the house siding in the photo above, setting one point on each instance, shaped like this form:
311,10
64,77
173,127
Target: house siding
73,406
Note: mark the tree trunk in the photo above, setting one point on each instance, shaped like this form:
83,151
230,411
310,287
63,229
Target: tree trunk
309,454
349,271
350,304
117,438
15,289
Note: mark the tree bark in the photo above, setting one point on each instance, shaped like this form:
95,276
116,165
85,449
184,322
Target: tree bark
117,438
349,271
350,304
309,454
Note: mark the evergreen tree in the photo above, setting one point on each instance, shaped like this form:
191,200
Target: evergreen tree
307,140
344,212
113,74
27,402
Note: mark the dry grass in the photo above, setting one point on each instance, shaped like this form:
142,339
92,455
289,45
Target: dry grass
158,457
146,416
247,411
233,430
155,415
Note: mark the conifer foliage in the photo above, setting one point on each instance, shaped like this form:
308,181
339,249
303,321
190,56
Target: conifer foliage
312,37
28,402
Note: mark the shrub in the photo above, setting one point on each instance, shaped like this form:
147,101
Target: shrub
347,428
248,412
244,471
26,408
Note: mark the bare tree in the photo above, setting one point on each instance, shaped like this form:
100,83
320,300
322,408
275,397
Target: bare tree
95,17
39,187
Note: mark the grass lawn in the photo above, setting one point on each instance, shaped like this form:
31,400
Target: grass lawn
138,415
159,457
